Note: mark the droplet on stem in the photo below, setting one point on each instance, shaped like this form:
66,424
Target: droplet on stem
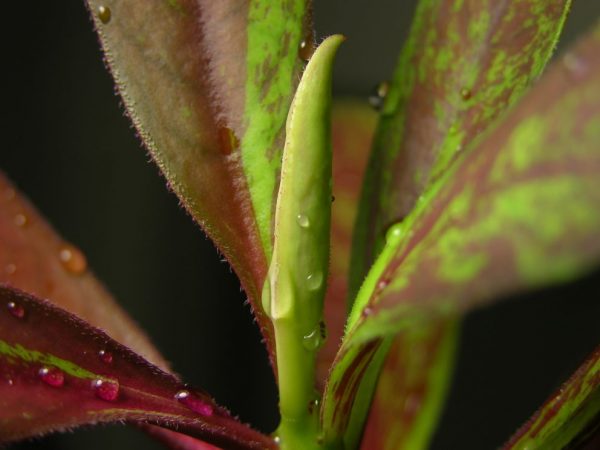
52,376
104,14
378,95
312,341
306,48
72,259
303,220
106,389
16,310
194,403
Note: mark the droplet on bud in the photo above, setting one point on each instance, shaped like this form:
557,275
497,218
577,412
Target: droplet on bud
303,220
104,14
72,259
194,403
314,281
106,389
16,310
378,95
105,356
52,376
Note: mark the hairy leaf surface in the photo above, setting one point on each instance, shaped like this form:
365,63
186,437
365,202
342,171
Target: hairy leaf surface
208,86
569,417
518,210
464,63
57,372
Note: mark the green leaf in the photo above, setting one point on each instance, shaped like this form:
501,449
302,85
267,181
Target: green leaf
464,63
569,417
34,258
518,210
208,86
58,372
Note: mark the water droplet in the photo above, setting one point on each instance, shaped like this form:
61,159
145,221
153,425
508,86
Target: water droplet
306,48
277,439
104,14
72,259
303,220
367,311
16,310
52,376
394,233
10,268
378,95
228,140
312,341
105,356
465,93
10,382
313,406
20,220
314,281
194,403
382,284
106,389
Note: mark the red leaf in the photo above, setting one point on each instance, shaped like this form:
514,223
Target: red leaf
35,259
57,372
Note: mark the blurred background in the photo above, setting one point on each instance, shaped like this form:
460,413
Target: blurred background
68,146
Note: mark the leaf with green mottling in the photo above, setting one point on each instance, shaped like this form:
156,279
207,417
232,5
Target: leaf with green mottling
518,210
569,418
464,63
57,372
208,86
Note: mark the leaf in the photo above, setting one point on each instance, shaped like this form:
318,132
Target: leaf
411,388
208,86
569,417
519,210
35,259
57,372
353,123
464,63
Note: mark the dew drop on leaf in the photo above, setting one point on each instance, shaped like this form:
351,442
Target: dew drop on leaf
306,48
382,284
16,310
314,281
303,220
52,376
228,140
312,341
378,94
104,14
465,93
194,403
394,233
105,356
10,268
72,259
106,389
20,220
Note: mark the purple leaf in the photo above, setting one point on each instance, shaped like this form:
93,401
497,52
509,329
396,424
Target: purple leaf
57,372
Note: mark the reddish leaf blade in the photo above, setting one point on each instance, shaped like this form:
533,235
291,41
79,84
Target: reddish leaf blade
462,66
35,259
518,210
353,123
55,374
569,416
208,86
411,388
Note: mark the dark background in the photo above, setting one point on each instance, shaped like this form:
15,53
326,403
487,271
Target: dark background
66,143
